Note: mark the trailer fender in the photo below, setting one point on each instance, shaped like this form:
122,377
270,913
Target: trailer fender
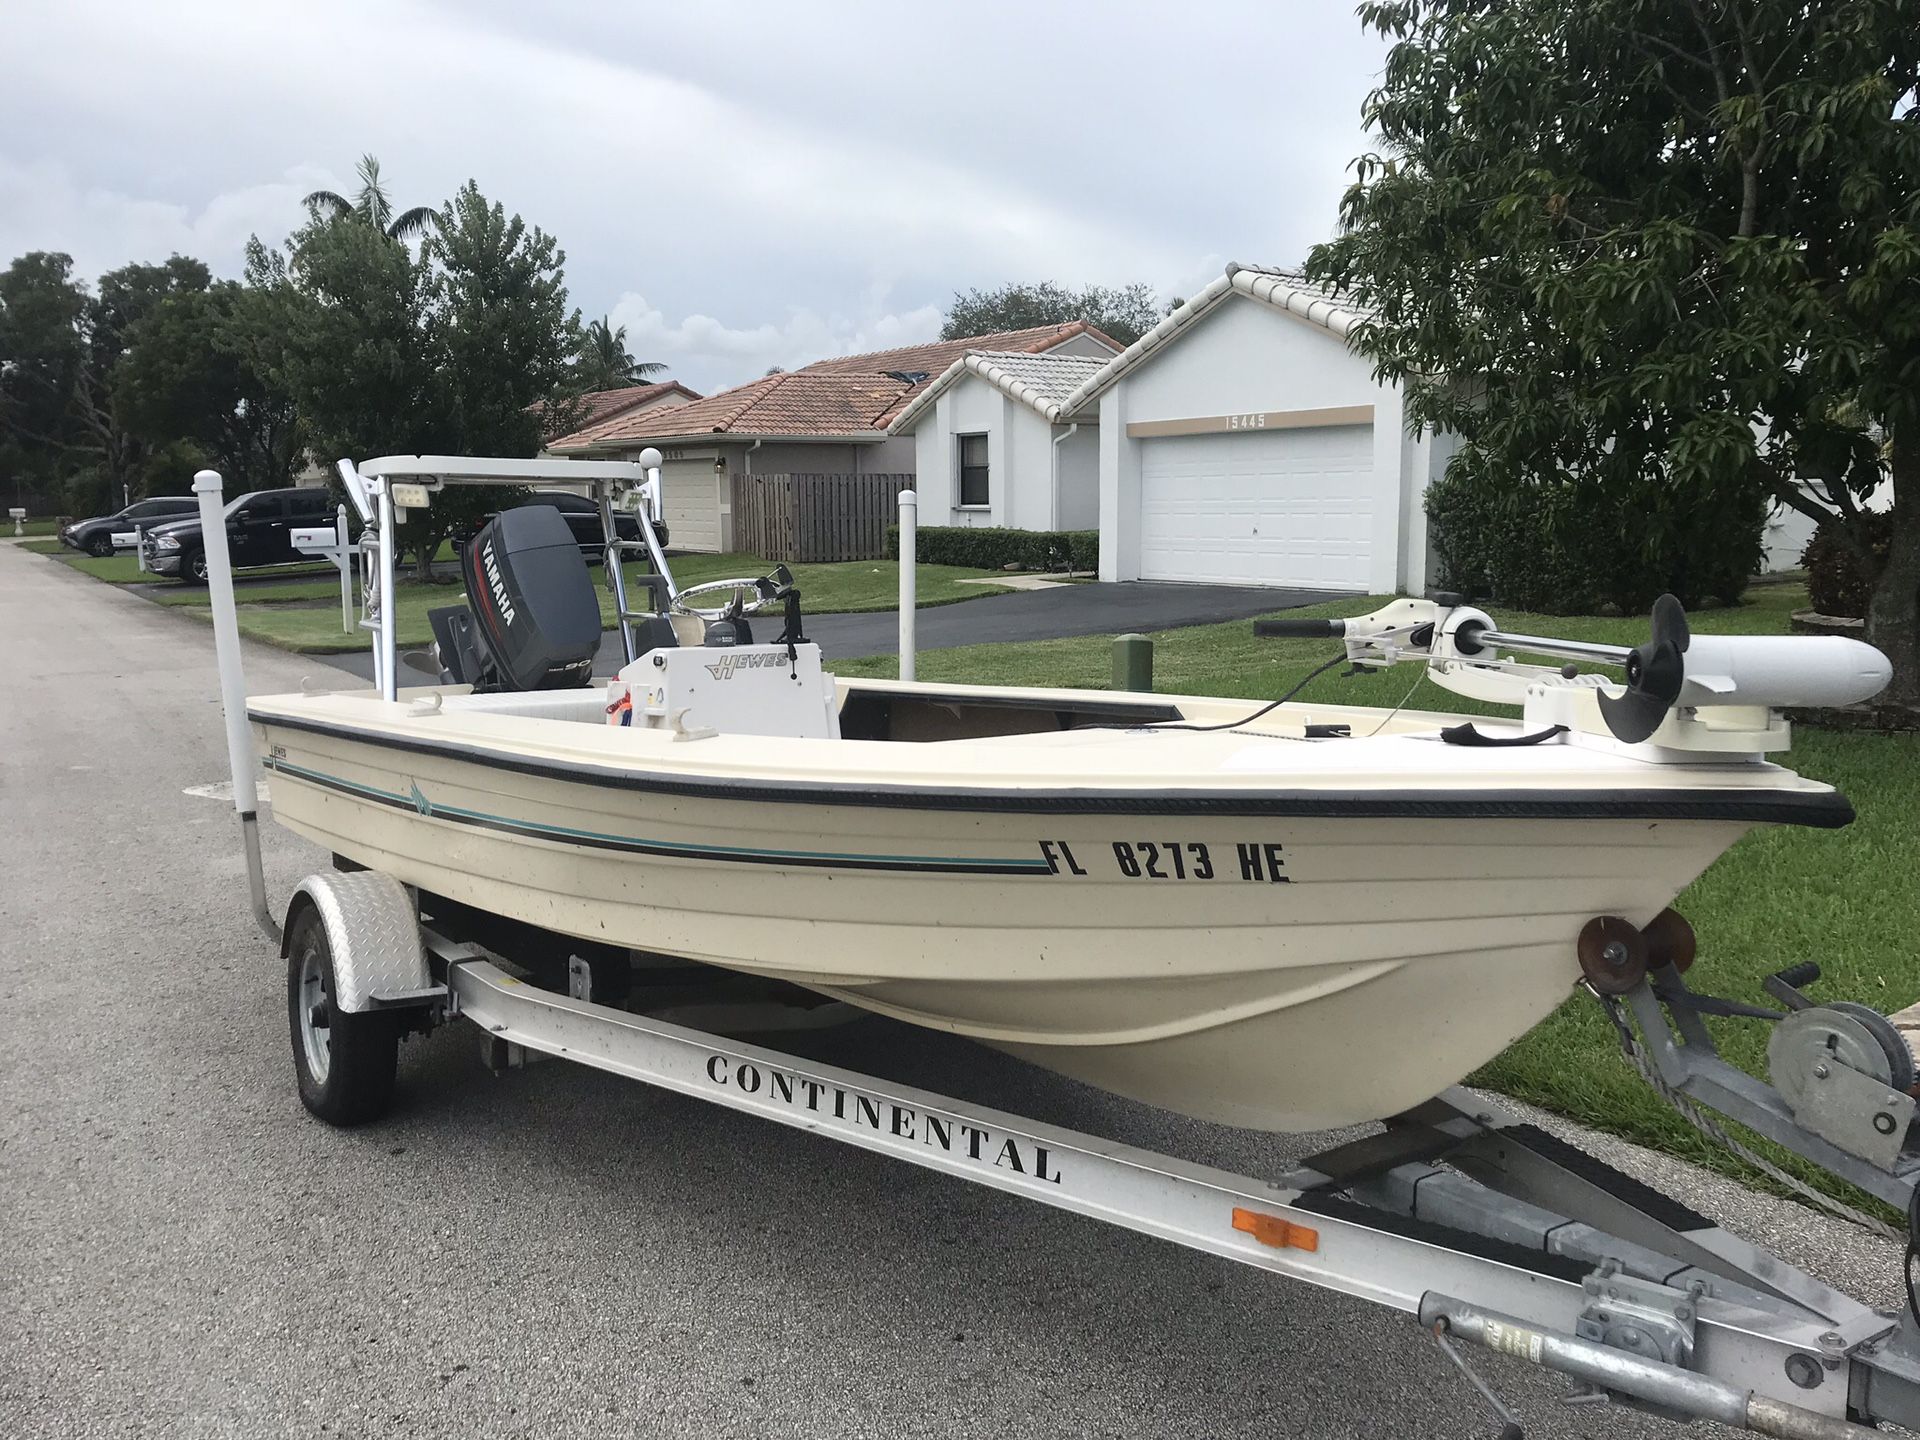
373,929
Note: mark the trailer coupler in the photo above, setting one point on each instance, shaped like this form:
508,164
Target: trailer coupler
1678,1392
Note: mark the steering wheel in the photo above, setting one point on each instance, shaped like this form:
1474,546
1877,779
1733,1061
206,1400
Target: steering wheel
750,596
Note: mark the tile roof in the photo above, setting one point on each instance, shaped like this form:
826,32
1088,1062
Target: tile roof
845,395
937,355
1287,290
604,404
1041,381
796,404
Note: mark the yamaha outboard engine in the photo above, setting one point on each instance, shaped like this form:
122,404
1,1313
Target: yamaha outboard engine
532,621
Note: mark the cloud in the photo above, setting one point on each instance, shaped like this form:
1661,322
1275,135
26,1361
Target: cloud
44,206
701,345
777,182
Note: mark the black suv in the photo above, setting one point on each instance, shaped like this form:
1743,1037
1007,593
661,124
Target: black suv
259,532
98,536
583,519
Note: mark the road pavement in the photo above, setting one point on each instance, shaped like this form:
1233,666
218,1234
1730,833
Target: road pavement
1011,615
555,1252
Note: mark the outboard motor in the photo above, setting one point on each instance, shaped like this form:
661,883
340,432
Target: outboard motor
532,621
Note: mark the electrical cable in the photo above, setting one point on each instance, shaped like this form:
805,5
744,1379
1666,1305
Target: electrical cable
1307,679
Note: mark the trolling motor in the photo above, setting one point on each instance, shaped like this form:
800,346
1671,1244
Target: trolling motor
1680,691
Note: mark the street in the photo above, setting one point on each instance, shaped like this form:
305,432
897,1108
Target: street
557,1252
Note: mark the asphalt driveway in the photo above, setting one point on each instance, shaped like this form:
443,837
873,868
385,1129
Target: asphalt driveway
1006,616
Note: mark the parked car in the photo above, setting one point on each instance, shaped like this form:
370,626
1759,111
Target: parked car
582,517
104,534
259,532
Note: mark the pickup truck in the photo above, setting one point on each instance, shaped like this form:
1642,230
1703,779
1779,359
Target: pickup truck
259,532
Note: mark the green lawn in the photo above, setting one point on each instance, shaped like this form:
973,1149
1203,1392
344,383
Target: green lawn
1848,898
125,570
33,527
305,617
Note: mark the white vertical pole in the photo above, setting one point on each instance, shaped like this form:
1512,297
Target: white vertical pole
383,646
343,561
233,685
909,579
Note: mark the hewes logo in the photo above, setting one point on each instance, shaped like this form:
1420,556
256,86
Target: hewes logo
730,665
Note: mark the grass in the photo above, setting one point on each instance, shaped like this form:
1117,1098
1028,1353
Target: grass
1849,899
305,617
125,570
33,527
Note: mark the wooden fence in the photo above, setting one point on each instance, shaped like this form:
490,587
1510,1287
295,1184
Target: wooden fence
812,518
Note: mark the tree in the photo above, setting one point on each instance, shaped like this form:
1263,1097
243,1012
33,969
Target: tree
63,350
1668,245
444,352
41,307
604,362
1126,312
371,205
196,371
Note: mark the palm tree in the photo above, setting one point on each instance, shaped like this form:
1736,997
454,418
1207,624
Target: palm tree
372,205
605,363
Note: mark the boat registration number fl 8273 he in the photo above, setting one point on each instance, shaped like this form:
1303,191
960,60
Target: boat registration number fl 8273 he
1174,860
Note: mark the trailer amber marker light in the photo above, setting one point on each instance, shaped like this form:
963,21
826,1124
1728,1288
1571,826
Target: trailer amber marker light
1272,1230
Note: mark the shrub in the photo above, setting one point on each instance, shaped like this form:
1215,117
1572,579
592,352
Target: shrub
1566,547
983,547
1840,580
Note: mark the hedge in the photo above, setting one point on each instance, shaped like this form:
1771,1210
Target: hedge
984,547
1569,547
1839,580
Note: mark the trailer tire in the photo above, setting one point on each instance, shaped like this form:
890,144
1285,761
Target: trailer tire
345,1063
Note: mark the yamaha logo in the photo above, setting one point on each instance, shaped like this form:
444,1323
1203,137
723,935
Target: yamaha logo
491,566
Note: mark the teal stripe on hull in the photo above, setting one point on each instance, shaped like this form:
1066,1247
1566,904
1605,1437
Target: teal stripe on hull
417,800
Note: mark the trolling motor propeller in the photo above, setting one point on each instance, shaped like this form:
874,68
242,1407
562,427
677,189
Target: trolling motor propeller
1656,674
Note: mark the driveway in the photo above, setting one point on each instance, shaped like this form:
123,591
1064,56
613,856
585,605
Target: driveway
554,1251
1009,616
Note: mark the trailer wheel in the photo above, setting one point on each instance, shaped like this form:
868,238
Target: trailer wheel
345,1063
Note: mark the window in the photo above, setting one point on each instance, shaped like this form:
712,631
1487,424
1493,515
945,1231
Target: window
973,470
312,502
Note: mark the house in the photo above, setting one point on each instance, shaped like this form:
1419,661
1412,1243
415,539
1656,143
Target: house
1239,441
1242,441
992,445
603,405
830,417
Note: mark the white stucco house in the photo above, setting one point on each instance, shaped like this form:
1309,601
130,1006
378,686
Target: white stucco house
831,417
991,446
1242,441
1239,441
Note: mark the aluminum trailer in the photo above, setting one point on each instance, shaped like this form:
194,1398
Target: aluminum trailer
1487,1230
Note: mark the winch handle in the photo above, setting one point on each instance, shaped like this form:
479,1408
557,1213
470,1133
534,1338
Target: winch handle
1299,628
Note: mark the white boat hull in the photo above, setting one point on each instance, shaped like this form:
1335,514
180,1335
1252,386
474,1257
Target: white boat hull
1283,972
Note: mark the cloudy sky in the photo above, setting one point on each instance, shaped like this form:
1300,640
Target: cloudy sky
740,184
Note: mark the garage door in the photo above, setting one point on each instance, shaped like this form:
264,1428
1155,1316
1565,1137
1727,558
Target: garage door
1274,507
692,504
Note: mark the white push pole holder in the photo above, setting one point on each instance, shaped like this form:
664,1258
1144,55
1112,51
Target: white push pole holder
343,558
909,578
233,687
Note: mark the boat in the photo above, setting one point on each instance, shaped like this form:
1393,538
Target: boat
1289,916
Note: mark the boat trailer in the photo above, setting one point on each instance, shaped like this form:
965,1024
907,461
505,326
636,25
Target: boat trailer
1488,1230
